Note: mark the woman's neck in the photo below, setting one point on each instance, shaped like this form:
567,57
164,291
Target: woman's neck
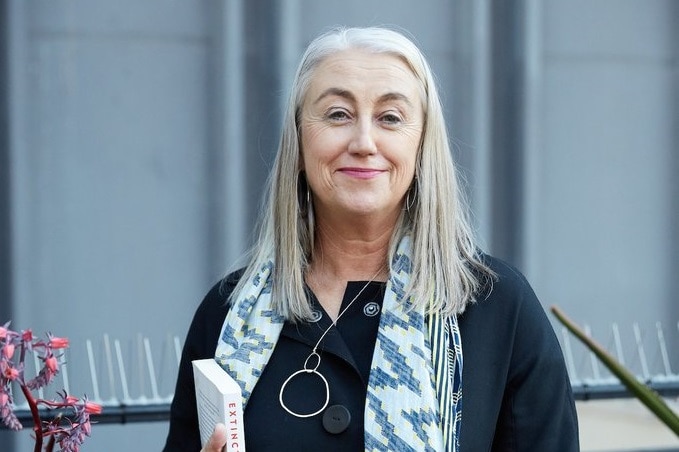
347,252
351,254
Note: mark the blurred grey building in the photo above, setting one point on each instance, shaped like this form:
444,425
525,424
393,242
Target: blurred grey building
136,138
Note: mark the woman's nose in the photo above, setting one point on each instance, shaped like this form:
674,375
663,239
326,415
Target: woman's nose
363,140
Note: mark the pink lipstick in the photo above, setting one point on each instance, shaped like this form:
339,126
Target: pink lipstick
361,173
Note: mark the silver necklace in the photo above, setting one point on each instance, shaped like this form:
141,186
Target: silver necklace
310,368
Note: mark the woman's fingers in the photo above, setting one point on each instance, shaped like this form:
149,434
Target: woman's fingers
217,440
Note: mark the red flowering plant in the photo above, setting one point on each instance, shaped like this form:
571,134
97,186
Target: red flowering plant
67,430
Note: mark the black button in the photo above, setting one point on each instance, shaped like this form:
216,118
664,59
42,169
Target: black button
336,419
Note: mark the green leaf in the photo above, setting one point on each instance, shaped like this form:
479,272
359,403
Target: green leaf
646,395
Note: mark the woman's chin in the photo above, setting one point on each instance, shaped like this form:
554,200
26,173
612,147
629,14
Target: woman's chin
367,210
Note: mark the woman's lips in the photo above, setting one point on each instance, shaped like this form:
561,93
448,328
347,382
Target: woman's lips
361,173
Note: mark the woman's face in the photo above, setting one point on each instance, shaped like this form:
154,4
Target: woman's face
361,125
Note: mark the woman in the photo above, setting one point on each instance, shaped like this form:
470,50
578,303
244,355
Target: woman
367,318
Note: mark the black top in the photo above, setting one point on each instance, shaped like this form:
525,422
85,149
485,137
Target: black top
516,393
346,353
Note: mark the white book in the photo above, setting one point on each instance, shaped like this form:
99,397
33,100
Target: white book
218,399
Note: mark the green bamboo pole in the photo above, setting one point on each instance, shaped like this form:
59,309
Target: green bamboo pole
646,395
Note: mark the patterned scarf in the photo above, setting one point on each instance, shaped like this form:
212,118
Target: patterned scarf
414,400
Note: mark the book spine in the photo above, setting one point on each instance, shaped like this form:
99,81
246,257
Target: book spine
234,425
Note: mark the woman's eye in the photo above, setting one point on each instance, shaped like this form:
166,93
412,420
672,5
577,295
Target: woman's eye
390,118
338,115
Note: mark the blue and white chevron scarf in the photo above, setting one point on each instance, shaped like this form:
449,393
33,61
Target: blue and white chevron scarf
414,391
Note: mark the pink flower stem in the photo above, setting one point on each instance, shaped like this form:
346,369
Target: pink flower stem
50,444
53,404
37,424
23,352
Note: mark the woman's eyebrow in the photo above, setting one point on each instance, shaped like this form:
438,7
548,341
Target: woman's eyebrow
336,92
390,96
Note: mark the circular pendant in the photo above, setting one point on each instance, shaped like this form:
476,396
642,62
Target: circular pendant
307,371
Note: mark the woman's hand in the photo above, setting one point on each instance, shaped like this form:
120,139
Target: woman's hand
217,440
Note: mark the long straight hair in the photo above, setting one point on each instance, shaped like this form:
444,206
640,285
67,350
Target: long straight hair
447,268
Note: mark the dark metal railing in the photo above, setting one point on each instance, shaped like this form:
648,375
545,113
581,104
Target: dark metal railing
131,389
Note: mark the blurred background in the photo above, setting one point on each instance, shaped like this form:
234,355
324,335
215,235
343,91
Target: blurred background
136,138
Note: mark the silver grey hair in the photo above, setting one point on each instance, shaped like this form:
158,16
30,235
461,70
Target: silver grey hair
447,269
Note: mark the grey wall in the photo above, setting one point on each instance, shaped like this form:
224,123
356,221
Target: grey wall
139,136
111,188
5,237
601,235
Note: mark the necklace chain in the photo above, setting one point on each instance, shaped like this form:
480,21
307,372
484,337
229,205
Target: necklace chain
307,368
346,308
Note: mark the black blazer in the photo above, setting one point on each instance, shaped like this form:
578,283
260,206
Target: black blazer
516,392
